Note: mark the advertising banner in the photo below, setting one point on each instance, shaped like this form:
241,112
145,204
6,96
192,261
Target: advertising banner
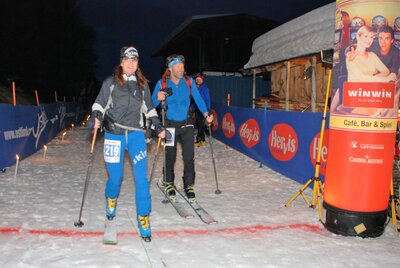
25,129
284,141
363,116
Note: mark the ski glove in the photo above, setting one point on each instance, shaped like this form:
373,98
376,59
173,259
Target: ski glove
157,125
97,114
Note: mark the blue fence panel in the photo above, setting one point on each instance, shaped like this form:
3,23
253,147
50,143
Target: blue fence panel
240,88
25,129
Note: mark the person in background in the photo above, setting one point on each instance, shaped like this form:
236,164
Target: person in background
386,51
363,65
205,95
173,92
122,100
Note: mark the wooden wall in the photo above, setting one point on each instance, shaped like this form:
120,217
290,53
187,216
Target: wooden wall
300,88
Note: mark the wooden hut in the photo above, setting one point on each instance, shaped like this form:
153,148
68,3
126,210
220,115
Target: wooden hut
291,53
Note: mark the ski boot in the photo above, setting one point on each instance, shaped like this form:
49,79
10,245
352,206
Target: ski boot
199,143
170,190
189,191
144,227
111,206
110,226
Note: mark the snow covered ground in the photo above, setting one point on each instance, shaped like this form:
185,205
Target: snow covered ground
254,229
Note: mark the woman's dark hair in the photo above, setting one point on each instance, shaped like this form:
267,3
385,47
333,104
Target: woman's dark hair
141,79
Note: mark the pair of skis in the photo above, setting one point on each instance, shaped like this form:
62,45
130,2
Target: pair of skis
180,205
150,247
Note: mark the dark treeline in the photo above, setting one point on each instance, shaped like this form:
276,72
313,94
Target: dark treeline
45,46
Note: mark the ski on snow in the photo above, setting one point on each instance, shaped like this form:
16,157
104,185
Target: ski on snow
198,209
178,204
151,249
110,232
153,254
180,207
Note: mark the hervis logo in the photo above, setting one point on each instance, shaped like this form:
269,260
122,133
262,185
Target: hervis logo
228,125
324,150
249,132
283,142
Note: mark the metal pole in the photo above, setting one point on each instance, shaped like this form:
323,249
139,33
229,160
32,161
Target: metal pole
79,223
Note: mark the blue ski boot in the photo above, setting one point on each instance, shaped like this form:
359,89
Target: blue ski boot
144,227
111,206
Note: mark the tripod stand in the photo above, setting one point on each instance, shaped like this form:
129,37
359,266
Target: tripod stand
393,201
317,187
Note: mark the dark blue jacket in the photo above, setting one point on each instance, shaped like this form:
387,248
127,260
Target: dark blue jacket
205,95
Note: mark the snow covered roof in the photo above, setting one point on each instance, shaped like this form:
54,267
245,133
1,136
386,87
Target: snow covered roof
305,35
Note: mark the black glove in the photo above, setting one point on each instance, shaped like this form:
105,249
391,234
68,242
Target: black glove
97,114
158,128
168,91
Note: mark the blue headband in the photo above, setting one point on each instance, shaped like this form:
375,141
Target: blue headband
175,61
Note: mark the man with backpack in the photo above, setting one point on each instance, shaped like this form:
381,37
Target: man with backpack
174,92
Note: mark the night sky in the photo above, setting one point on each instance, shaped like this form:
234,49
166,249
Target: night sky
147,24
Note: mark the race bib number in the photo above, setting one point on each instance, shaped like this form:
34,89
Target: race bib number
112,150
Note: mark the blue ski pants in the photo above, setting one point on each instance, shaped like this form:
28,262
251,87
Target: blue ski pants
114,151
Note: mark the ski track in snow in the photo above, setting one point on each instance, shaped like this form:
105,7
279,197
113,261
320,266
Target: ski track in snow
254,228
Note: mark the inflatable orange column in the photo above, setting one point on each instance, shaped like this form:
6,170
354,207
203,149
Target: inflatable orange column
363,117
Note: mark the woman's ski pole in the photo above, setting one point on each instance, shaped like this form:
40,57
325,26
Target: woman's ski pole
79,223
155,161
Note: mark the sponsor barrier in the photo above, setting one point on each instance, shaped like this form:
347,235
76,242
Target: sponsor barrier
284,141
26,129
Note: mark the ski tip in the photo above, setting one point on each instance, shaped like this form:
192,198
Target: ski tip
110,242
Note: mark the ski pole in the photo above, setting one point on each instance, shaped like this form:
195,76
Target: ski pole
79,223
155,161
165,151
218,191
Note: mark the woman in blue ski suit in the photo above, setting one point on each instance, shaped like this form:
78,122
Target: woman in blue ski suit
122,100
